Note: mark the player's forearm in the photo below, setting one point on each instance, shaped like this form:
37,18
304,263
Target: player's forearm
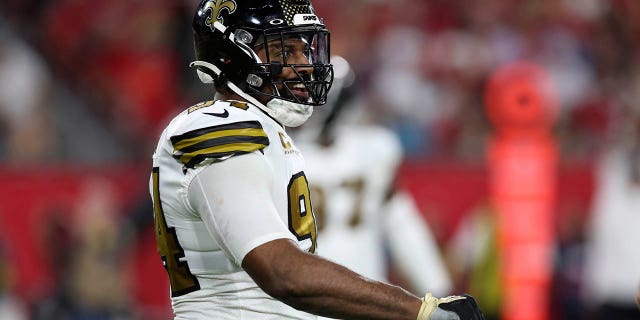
324,288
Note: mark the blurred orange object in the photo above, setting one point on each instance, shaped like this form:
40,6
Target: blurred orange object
520,100
522,159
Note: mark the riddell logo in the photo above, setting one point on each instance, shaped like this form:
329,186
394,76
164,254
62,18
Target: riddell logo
302,19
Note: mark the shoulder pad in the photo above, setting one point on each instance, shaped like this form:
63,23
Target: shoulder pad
221,131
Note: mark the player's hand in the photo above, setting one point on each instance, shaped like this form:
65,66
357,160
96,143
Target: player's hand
450,308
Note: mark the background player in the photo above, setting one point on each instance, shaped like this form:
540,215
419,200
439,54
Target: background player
362,217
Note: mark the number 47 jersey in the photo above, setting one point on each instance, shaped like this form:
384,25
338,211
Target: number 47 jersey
226,178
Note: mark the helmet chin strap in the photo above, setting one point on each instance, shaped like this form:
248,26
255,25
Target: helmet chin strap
288,113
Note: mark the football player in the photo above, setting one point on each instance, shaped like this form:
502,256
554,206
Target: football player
361,215
234,223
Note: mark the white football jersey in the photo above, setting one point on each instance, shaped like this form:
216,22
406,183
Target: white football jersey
202,242
360,224
349,181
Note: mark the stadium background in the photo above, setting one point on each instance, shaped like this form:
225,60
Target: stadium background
86,87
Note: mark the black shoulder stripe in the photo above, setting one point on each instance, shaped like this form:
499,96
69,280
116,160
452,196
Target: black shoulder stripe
226,140
203,131
218,142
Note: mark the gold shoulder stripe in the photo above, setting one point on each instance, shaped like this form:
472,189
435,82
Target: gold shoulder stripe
200,106
193,158
206,140
231,126
239,104
219,141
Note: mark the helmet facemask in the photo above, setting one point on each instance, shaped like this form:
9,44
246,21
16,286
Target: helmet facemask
295,66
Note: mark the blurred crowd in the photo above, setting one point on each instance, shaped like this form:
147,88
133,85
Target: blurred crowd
122,67
92,83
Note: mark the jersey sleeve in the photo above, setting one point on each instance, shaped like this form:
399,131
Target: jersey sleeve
216,131
235,203
219,142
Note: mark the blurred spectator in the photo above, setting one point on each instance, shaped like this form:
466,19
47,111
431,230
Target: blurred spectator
568,271
474,259
25,122
41,121
89,278
404,100
11,306
613,262
96,278
121,56
24,15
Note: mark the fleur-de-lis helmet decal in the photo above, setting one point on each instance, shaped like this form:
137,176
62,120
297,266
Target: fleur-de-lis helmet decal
216,7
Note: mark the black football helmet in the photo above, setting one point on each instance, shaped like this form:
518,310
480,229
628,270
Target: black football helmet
227,33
